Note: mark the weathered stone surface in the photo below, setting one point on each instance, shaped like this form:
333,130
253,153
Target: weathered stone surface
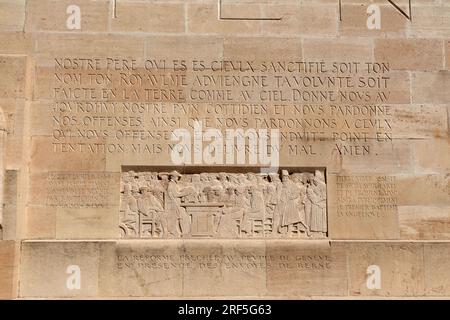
343,50
13,15
56,44
149,17
8,269
430,87
184,47
13,71
14,113
406,54
431,21
447,57
424,222
427,189
18,42
41,222
251,48
303,19
202,19
308,269
420,122
10,203
144,141
433,156
436,260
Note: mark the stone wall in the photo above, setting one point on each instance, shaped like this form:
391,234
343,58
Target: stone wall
88,98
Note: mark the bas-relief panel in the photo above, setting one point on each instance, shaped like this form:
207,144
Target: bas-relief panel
223,205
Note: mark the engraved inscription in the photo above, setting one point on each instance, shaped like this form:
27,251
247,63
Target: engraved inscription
80,190
363,197
223,205
131,106
151,261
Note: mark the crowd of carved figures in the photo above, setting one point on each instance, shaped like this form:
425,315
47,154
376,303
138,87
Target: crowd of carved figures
223,205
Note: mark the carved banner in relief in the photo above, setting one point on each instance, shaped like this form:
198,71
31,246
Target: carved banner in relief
223,205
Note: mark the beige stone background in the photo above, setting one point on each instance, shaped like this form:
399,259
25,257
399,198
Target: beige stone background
410,243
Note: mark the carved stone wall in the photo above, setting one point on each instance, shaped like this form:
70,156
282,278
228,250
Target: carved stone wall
223,205
92,89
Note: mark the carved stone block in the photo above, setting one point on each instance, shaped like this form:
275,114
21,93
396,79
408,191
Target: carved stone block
223,205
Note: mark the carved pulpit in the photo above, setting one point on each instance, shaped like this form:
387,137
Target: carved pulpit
205,218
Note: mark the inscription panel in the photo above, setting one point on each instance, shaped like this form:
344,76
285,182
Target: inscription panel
364,207
222,267
365,197
130,106
77,189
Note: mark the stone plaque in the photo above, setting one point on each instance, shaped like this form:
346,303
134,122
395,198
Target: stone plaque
224,148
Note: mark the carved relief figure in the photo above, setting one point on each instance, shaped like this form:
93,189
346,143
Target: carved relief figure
254,215
129,212
151,211
223,205
317,196
292,199
274,205
234,214
177,216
